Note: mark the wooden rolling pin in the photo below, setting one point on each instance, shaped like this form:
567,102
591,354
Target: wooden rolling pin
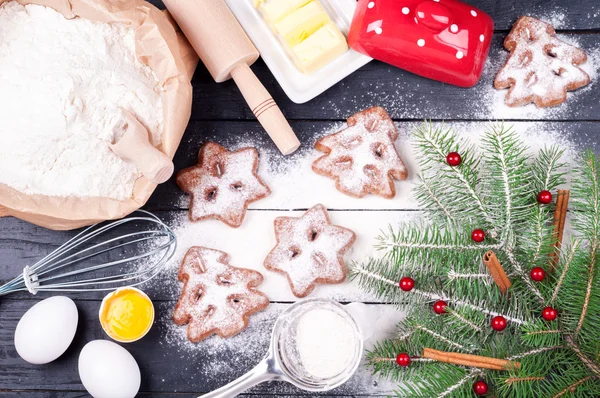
134,146
227,52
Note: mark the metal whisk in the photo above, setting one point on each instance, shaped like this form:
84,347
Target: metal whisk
92,250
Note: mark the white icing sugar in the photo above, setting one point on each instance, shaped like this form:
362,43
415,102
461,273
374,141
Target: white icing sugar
325,342
63,85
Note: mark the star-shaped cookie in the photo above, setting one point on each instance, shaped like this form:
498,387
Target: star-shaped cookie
310,250
222,184
362,158
217,298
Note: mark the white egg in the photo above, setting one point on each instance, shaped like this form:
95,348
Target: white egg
108,370
46,330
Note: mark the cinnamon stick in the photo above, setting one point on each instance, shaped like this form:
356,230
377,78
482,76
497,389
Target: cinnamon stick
560,217
495,268
470,360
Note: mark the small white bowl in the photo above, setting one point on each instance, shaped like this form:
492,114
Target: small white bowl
112,294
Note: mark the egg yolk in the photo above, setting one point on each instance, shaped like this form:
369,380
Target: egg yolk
127,315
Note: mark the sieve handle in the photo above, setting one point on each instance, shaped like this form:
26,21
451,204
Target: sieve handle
264,371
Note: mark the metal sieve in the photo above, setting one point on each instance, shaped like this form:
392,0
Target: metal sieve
283,361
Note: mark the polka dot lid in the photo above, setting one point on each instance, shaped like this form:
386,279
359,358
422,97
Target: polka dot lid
444,40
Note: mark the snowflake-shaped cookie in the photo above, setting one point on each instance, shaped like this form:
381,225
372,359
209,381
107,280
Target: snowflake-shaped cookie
222,184
540,68
217,297
309,250
362,158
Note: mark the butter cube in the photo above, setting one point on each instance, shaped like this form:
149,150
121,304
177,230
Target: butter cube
320,48
257,3
302,23
275,10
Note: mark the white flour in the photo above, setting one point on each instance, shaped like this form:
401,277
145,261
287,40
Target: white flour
63,82
325,342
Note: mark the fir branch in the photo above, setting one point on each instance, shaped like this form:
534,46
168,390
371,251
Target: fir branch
486,278
533,352
429,296
432,141
572,387
565,269
594,368
547,169
523,275
464,320
442,338
425,189
588,291
513,380
469,377
432,246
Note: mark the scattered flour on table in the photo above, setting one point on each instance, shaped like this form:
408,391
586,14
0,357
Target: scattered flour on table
63,82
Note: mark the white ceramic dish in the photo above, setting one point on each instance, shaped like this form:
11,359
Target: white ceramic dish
298,86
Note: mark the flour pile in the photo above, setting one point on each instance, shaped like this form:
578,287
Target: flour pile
63,84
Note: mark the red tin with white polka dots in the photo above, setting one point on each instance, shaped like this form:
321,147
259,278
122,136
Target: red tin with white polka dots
444,40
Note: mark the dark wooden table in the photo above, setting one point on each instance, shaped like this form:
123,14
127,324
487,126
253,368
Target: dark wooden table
219,113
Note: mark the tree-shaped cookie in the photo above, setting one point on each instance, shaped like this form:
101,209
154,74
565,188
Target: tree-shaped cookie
540,68
223,184
216,297
310,250
362,158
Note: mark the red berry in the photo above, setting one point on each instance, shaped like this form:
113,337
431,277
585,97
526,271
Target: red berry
453,159
499,323
537,274
403,359
478,235
407,284
480,387
545,197
549,313
439,307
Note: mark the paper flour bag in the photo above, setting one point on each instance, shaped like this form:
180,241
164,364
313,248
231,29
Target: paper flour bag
161,48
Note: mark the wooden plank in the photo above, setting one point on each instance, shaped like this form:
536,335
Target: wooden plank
247,246
570,15
405,95
290,187
83,394
168,362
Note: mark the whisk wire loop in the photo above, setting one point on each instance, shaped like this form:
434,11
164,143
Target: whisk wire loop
154,245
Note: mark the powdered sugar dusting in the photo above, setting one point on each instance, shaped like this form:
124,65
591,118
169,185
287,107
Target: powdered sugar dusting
309,250
295,186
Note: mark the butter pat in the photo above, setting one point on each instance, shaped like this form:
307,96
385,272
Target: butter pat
275,10
302,23
320,48
305,29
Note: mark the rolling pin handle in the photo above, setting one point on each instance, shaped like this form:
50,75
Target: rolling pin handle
265,109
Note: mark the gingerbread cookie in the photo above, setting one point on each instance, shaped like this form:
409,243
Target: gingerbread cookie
540,68
217,298
222,184
309,250
362,158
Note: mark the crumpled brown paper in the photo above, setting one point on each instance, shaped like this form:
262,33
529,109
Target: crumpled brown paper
159,46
